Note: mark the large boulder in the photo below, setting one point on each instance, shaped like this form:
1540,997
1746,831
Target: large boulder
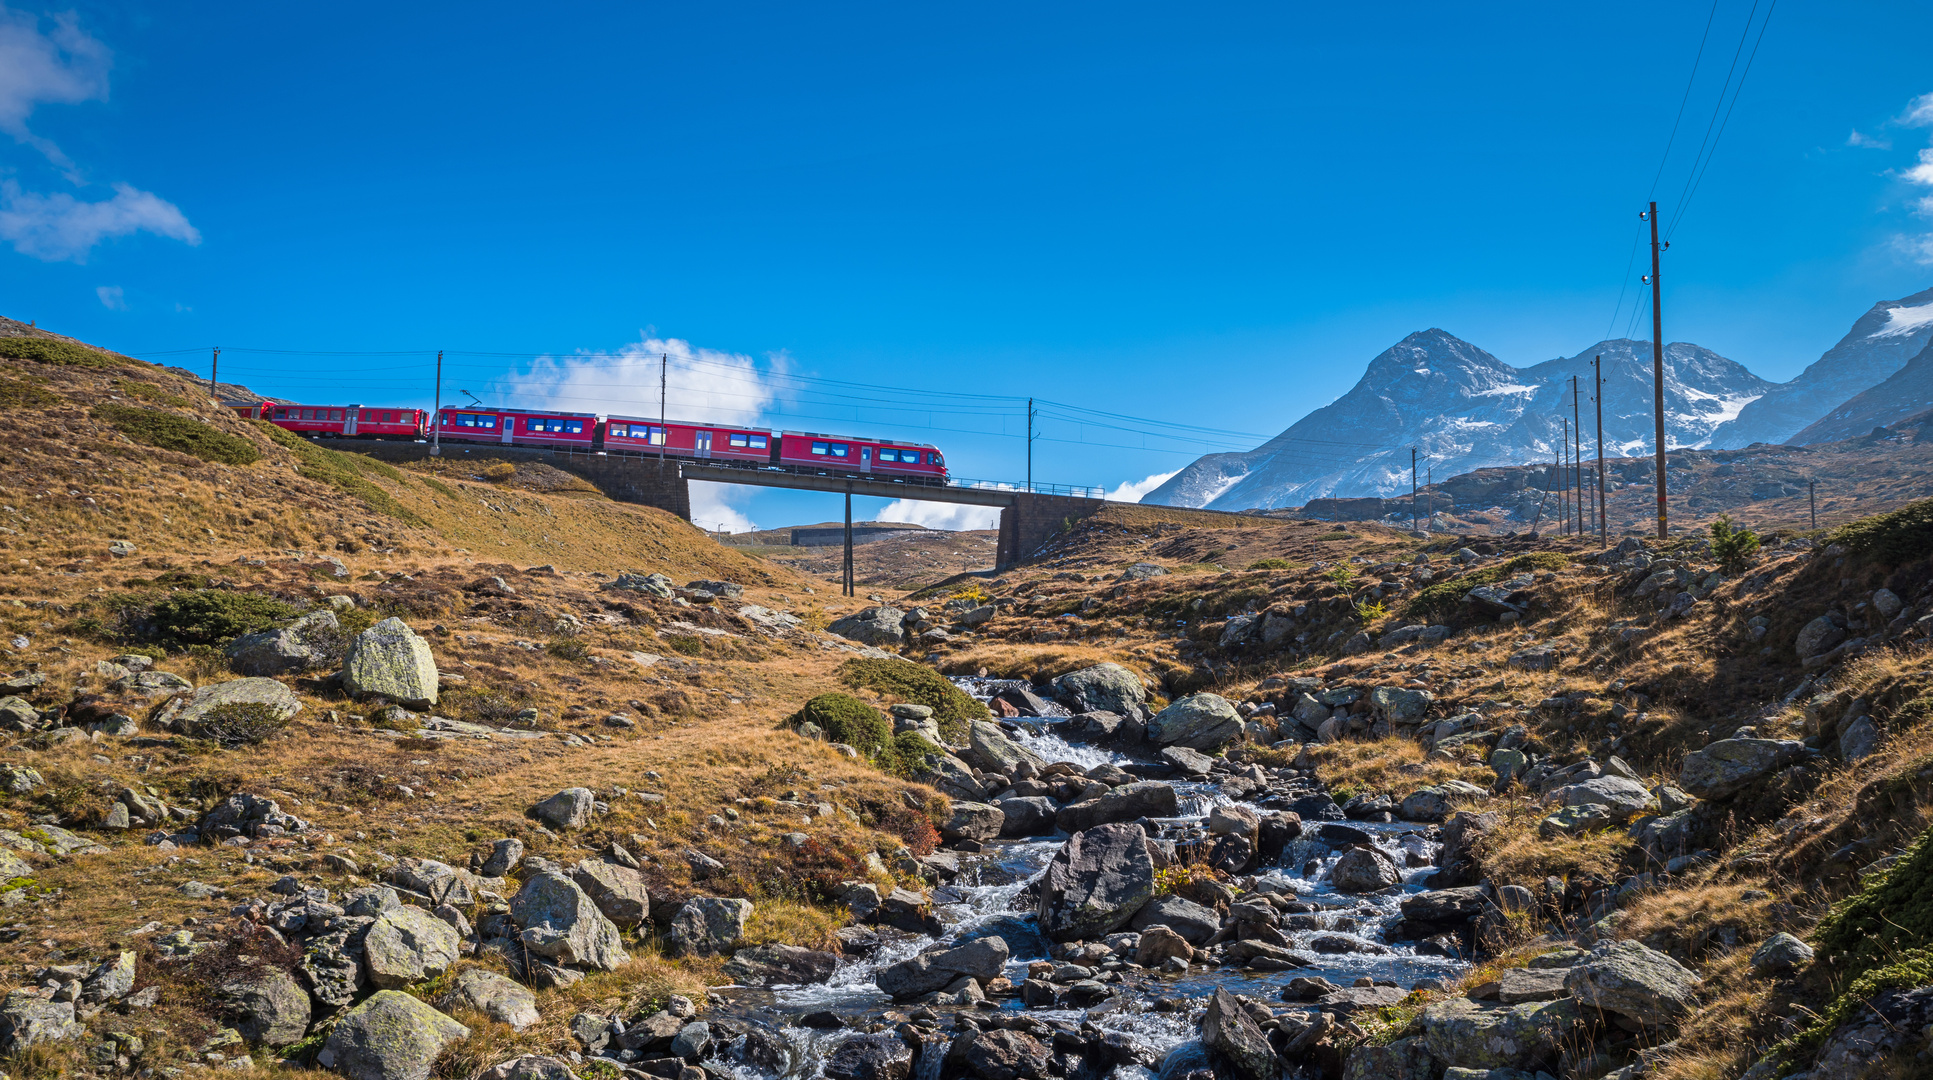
27,1019
1400,706
708,926
1781,953
1195,923
1129,802
1728,766
883,1056
1818,636
310,642
1204,722
1096,883
1001,1054
1474,1035
267,1007
618,891
873,626
389,661
990,749
391,1036
1624,798
529,1067
562,923
1404,1059
983,959
568,809
1101,688
1026,815
1364,869
486,992
973,821
1228,1029
231,713
788,965
407,945
1638,983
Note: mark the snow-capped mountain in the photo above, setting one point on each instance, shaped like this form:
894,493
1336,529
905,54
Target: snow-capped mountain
1879,344
1464,409
1908,392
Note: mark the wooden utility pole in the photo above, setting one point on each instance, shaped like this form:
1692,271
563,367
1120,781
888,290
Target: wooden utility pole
1812,497
214,367
1577,454
1657,364
1603,522
1412,489
1030,444
436,418
1564,478
1429,481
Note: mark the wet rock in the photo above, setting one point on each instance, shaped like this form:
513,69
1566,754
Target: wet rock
389,661
1193,922
308,643
1158,944
983,960
1364,869
1192,763
1129,802
489,993
1638,983
391,1036
1724,768
1475,1035
1228,1029
1232,821
1096,883
1103,688
990,749
708,926
618,891
407,945
268,1007
568,809
1202,722
1445,907
873,626
560,922
870,1057
1001,1054
973,821
773,965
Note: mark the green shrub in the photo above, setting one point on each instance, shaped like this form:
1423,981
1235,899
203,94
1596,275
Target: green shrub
439,487
26,394
567,648
344,472
953,708
845,719
238,723
1274,564
905,756
1443,597
688,644
1734,548
1902,536
172,432
66,353
151,393
212,617
1341,574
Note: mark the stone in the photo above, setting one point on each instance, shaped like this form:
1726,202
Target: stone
1002,1054
1781,953
389,661
1477,1035
1096,883
1193,922
1029,815
1576,821
1518,985
1636,982
1202,722
708,926
1818,636
1400,706
650,584
1404,1059
391,1036
1445,907
492,995
562,923
873,626
973,821
990,749
27,1019
1726,767
1101,688
528,1067
407,945
1192,762
190,713
984,959
505,854
1887,603
1158,944
1430,804
774,965
1625,799
1232,821
1859,740
311,642
268,1007
692,1041
1508,764
1364,869
568,809
1228,1029
883,1056
1129,802
110,980
618,891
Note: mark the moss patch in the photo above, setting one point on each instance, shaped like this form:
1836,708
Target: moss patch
170,431
952,707
1901,536
67,353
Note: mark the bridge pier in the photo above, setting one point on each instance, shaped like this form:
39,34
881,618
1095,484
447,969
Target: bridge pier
1034,519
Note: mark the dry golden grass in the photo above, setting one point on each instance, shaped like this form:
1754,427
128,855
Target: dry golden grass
1393,766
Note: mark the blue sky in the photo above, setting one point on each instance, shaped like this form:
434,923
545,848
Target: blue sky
1213,215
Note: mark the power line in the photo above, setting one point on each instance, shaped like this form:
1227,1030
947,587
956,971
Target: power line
1717,107
1685,206
1666,157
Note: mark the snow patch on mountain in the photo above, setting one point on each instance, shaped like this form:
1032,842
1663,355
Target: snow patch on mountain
1901,321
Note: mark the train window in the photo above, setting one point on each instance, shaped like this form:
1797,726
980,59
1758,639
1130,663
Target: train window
739,440
820,448
838,449
888,455
577,426
934,459
758,442
281,414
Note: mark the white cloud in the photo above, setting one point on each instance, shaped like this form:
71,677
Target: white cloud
1919,112
711,506
60,227
1133,490
703,384
63,66
954,517
112,297
1868,142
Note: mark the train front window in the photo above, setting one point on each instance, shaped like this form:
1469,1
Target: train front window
934,459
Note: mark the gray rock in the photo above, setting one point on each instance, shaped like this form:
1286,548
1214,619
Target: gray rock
1203,722
1400,706
1518,985
1781,953
311,642
708,926
650,584
990,749
528,1067
1096,883
1364,869
1191,762
391,1036
1430,804
1818,636
27,1019
983,959
772,965
1724,768
1228,1029
110,980
568,809
618,891
389,661
1101,688
407,945
505,854
1026,815
486,992
692,1041
1129,802
1474,1035
1636,982
1887,603
1626,799
1001,1054
190,713
268,1007
883,1056
1404,1059
1859,740
562,923
873,626
1195,923
973,821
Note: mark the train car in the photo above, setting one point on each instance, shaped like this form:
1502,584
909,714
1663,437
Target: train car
250,410
518,427
676,438
346,421
839,455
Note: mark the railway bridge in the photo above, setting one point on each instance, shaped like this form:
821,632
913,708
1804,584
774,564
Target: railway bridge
1028,518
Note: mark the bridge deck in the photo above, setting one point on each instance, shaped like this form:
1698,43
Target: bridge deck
887,489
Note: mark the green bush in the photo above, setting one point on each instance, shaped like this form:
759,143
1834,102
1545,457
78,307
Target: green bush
567,648
953,708
846,719
1733,547
1274,564
688,644
238,723
66,353
1444,596
344,472
26,394
1902,536
171,432
905,756
213,616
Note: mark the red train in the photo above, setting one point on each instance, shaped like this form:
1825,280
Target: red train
743,447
